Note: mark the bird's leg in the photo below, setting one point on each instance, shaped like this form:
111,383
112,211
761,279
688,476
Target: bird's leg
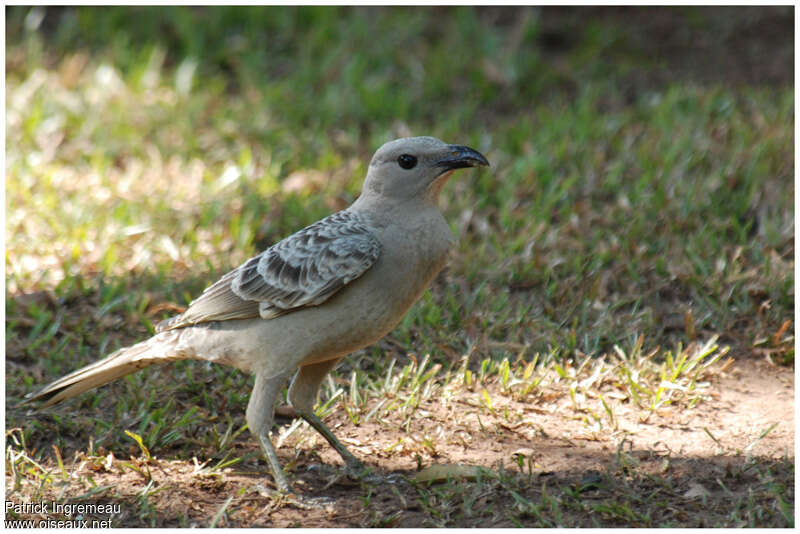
274,464
353,464
303,395
260,415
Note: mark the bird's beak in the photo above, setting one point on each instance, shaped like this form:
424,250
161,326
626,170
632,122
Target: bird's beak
459,157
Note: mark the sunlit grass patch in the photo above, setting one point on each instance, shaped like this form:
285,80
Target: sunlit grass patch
606,392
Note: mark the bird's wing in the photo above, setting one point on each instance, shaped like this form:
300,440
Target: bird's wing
304,269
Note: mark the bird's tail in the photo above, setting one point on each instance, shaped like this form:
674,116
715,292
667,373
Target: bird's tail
158,349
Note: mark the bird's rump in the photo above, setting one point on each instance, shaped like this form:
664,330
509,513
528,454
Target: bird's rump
304,269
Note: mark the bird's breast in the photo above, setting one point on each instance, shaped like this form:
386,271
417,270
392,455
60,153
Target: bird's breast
368,308
414,252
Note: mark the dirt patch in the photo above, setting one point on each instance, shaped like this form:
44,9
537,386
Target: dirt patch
704,466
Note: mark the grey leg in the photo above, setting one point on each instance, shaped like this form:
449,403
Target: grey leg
354,465
260,415
303,395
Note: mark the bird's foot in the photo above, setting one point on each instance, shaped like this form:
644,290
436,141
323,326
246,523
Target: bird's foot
279,499
350,475
273,493
368,476
360,472
357,470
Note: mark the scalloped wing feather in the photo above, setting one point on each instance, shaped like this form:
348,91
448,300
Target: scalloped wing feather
305,269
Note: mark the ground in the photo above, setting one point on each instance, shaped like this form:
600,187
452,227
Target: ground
722,462
611,343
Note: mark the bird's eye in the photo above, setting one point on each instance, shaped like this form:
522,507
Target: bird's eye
407,161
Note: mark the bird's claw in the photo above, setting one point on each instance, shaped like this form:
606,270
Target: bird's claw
273,493
357,471
280,498
362,473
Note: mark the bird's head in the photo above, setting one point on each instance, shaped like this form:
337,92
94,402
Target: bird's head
417,167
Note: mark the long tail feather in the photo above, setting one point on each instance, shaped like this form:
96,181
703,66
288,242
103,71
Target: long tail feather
157,349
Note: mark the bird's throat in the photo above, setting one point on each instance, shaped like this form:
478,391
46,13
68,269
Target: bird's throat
432,194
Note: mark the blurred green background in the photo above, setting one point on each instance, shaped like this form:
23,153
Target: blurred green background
641,180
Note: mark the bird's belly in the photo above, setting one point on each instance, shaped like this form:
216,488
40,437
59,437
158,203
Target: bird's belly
372,307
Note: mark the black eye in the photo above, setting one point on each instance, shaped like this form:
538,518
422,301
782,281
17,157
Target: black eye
407,161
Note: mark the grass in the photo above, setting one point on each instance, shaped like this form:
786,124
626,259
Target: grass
629,235
496,393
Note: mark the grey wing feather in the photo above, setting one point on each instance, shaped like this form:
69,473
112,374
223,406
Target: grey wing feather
305,269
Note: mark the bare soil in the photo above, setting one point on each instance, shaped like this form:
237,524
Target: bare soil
671,457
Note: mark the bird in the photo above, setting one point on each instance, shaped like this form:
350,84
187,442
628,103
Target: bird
307,301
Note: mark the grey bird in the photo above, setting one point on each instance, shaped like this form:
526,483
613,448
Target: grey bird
304,303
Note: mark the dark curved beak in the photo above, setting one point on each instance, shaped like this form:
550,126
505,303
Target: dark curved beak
460,157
